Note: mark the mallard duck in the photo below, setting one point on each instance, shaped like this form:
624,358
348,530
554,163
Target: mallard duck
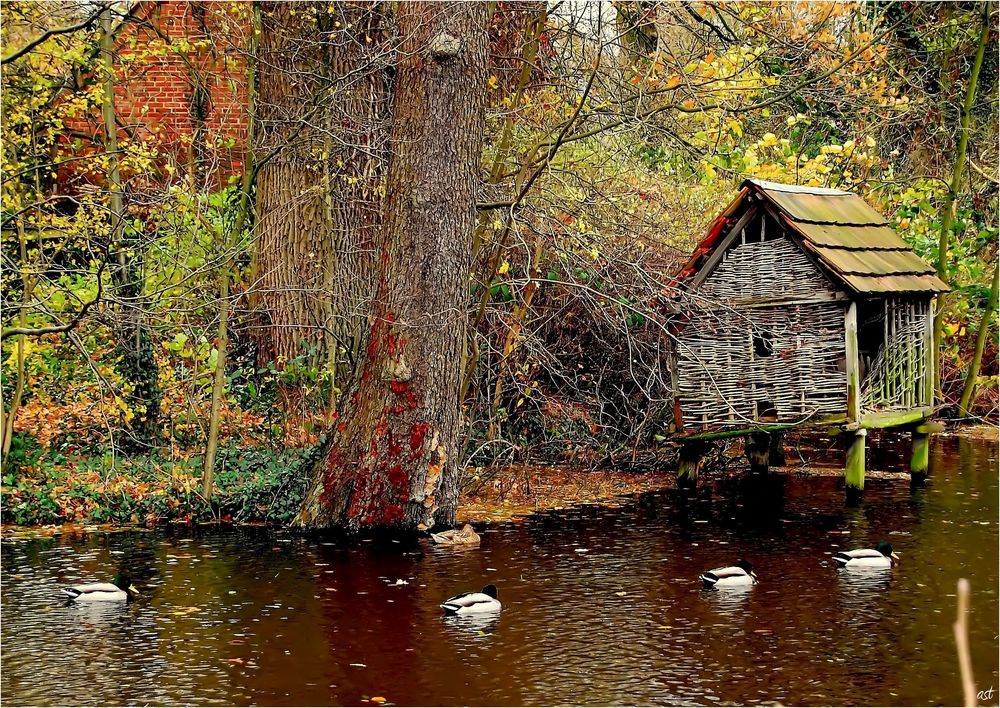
118,590
739,575
881,556
466,536
469,603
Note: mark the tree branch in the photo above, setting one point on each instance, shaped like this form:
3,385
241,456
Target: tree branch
17,54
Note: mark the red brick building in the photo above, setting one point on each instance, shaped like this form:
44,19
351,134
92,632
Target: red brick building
181,80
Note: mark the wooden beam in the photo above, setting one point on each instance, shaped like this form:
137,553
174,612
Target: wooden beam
828,420
894,419
722,247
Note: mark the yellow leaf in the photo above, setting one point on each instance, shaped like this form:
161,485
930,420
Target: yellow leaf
504,267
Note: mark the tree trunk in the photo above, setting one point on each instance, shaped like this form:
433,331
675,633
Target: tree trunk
947,213
972,376
391,458
321,105
228,241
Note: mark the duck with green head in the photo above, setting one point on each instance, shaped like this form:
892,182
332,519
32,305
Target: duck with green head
120,589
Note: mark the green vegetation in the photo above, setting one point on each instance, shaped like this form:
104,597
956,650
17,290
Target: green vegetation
148,314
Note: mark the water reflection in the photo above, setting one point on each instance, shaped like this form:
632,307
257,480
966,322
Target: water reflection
474,628
600,606
727,603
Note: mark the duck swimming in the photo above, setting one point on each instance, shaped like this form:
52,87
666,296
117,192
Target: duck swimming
739,575
882,556
120,589
469,603
466,536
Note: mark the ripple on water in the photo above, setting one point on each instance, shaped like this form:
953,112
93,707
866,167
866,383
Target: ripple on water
600,606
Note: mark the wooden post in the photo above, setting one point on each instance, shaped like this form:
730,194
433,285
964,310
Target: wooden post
776,450
758,447
691,459
932,355
854,474
854,471
920,454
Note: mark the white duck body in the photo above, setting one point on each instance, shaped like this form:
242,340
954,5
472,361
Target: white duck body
96,592
118,590
732,576
469,603
863,558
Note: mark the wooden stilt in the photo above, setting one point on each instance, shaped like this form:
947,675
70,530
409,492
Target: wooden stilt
758,447
854,475
854,471
776,450
920,455
691,459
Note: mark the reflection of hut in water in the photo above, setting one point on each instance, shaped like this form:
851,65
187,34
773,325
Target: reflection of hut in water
802,307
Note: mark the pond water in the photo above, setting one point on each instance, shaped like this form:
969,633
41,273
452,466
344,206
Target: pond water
601,606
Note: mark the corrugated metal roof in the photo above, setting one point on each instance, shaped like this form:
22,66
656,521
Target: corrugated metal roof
817,205
873,262
886,284
861,238
850,239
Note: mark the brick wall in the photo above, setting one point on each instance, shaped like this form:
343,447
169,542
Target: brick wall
163,54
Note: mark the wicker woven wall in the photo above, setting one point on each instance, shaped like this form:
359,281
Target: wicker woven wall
739,361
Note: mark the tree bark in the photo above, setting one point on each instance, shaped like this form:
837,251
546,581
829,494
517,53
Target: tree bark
391,457
321,105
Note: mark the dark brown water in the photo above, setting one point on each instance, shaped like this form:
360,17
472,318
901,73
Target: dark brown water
601,606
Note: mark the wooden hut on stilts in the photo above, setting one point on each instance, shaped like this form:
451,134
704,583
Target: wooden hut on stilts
802,307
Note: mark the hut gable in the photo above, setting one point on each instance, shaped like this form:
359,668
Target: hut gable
851,242
764,271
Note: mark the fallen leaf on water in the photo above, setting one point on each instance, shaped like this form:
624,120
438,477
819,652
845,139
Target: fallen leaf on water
361,666
621,594
377,699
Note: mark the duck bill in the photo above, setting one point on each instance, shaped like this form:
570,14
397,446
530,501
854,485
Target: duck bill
131,589
753,575
894,556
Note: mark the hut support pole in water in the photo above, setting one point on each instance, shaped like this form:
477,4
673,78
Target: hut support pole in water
854,475
920,454
758,452
776,449
691,460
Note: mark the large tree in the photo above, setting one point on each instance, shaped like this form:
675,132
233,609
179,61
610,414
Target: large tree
391,458
322,103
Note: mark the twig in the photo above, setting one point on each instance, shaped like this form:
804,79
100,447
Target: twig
961,628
